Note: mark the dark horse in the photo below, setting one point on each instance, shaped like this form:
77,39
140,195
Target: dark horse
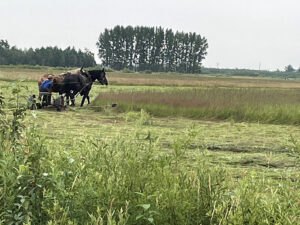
81,83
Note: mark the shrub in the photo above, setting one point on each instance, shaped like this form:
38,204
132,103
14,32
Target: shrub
23,166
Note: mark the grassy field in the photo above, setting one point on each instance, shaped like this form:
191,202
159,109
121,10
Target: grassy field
159,79
132,166
278,106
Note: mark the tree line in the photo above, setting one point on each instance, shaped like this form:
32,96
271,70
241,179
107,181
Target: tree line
253,73
48,56
151,48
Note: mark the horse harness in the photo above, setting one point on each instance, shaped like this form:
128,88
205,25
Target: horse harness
83,88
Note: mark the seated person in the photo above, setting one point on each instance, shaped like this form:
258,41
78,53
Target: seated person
46,84
46,87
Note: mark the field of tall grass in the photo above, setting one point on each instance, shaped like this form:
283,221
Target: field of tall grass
128,180
83,166
281,106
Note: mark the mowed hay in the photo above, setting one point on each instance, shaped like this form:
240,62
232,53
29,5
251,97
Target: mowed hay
241,104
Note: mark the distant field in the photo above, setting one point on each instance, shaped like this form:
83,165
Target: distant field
169,79
7,73
159,79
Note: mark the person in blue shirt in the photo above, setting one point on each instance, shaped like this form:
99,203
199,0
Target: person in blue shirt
46,86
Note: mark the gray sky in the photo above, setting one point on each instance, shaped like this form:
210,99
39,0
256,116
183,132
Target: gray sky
240,33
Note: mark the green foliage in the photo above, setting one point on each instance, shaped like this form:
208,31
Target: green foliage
141,118
50,176
131,116
289,68
11,129
144,118
22,175
151,48
130,180
49,56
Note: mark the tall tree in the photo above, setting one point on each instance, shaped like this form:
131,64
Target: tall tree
169,50
289,68
152,48
104,45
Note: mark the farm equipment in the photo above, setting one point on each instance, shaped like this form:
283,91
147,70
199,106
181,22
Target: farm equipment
46,100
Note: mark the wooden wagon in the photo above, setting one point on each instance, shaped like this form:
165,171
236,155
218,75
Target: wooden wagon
46,99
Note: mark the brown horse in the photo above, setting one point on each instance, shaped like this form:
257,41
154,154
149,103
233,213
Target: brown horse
58,79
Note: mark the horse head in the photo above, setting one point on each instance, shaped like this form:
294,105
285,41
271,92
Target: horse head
99,75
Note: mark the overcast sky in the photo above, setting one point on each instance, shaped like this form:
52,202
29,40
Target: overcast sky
240,33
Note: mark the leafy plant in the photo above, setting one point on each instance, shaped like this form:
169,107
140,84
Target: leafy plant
141,118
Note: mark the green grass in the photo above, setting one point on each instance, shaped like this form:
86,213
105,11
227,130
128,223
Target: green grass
85,167
251,143
82,166
215,134
278,106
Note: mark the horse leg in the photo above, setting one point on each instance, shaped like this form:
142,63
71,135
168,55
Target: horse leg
73,98
88,99
44,100
67,98
82,101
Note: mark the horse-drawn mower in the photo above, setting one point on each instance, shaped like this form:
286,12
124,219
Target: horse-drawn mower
46,99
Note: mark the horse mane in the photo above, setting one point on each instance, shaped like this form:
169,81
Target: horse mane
93,72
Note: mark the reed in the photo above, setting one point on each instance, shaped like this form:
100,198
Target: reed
280,106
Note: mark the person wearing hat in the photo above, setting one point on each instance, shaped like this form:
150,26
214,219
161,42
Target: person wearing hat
46,87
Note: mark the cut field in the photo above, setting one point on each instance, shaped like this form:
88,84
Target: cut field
128,163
